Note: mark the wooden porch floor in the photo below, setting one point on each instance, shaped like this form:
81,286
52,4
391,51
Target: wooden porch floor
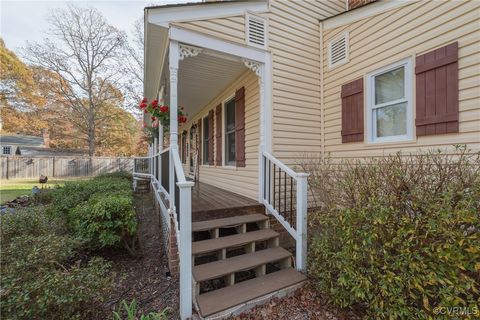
209,202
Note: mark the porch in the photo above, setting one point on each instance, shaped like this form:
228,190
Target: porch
210,202
232,178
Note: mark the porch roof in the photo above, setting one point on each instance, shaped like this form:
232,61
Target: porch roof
157,23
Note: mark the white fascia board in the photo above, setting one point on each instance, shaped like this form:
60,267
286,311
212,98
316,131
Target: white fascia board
163,16
369,10
208,42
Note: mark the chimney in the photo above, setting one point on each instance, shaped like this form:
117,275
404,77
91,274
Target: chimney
46,138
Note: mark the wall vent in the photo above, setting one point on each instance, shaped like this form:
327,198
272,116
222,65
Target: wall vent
256,30
338,51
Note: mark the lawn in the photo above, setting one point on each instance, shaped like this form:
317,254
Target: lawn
10,189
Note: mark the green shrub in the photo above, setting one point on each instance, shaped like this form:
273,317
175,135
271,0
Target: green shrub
106,220
99,211
43,276
116,175
398,236
74,193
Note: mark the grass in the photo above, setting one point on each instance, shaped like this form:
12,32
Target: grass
10,189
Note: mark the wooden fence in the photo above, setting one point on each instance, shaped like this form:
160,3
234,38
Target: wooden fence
17,167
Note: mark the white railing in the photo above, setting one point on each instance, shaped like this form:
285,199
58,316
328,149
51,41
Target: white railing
284,194
168,180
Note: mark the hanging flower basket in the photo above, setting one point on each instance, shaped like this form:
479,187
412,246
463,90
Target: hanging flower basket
159,114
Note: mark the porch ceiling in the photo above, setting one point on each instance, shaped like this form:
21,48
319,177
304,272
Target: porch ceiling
203,77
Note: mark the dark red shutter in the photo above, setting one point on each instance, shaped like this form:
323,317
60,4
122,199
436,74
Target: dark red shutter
218,136
200,141
437,91
352,111
240,127
210,138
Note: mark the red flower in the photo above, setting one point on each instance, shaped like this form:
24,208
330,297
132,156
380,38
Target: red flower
153,118
154,103
144,100
182,119
145,111
143,105
164,109
155,124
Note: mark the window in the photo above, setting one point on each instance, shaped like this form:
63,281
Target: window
338,51
206,140
230,153
389,101
7,150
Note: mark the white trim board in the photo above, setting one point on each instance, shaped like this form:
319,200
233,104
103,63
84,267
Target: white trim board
369,10
208,42
162,16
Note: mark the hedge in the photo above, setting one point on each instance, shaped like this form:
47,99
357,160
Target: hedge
398,237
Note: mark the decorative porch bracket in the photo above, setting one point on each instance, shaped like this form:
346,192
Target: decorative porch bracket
186,51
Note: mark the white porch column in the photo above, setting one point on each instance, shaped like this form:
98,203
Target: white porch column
155,168
302,207
261,149
262,72
185,249
173,63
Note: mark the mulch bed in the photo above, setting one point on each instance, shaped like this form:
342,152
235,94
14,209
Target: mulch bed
304,304
145,278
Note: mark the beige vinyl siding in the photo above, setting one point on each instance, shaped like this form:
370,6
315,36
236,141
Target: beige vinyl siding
243,181
294,41
404,32
230,29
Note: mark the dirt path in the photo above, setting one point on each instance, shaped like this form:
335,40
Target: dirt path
145,278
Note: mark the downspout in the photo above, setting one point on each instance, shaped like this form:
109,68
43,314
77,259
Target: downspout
322,104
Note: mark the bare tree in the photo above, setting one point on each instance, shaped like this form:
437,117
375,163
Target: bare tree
133,66
86,55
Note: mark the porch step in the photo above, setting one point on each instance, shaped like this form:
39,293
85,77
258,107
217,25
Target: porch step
228,297
237,240
227,222
247,261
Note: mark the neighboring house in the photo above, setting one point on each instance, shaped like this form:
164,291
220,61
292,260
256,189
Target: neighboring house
265,82
15,144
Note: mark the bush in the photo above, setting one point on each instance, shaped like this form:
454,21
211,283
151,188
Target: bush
74,193
43,276
398,236
106,220
99,211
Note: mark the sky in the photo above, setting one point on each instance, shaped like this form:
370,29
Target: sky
27,20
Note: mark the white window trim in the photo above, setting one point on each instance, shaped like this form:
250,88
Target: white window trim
370,97
249,14
224,132
347,51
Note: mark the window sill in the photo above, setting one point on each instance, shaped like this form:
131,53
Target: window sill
406,141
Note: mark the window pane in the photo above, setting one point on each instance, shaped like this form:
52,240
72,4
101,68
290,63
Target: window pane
392,120
230,115
390,86
230,148
206,129
205,151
